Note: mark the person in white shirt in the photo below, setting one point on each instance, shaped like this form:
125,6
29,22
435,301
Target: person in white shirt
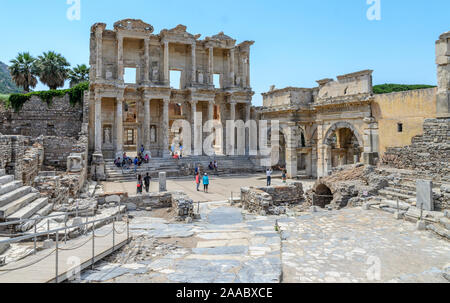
269,176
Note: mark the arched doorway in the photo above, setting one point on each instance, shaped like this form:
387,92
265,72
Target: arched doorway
345,145
322,196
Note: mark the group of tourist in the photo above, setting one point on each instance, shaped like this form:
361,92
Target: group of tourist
269,172
203,179
126,162
143,182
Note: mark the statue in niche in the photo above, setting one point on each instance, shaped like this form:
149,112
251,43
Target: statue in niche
200,78
238,81
107,135
155,74
153,133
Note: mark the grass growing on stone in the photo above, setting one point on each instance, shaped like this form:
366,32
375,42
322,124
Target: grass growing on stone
75,94
391,88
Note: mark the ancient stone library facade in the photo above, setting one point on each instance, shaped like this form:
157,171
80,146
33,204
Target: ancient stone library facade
124,116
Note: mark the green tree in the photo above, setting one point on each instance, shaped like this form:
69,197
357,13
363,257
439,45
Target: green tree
53,69
23,71
79,74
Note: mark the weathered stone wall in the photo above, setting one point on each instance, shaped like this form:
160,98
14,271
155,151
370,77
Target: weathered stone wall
49,185
36,118
57,149
271,200
32,162
428,154
389,111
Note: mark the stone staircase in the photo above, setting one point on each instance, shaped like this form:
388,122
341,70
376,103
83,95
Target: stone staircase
403,190
18,202
181,167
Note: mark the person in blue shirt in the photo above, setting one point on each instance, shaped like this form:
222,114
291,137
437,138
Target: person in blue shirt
136,161
205,183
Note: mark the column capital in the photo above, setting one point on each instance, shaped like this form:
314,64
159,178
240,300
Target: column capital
166,100
193,101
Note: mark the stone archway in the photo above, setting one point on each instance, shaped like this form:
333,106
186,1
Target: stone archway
322,196
344,145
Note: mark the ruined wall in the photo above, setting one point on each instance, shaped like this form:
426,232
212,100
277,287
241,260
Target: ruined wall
271,200
57,149
429,153
32,162
410,108
36,118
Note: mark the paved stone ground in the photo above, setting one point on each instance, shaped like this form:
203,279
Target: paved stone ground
351,245
219,190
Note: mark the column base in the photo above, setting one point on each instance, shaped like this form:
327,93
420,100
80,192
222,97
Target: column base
98,167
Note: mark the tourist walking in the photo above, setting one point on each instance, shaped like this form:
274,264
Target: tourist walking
205,183
215,165
139,185
269,176
283,175
147,179
197,181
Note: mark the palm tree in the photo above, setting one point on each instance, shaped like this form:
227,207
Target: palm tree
53,69
78,74
23,71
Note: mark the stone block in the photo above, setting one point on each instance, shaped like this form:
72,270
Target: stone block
425,195
112,199
162,182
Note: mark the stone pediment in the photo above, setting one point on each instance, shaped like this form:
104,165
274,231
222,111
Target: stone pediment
178,32
133,25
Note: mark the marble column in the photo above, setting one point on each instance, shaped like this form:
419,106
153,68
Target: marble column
211,65
147,126
248,71
232,71
99,61
233,110
166,63
165,128
247,130
98,124
119,127
147,60
194,63
120,67
291,151
194,124
232,136
211,110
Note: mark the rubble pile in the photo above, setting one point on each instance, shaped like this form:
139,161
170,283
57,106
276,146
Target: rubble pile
183,206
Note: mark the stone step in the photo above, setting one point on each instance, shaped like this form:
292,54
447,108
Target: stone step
391,194
6,179
393,204
401,191
29,210
14,195
14,206
3,247
441,231
8,187
45,211
2,172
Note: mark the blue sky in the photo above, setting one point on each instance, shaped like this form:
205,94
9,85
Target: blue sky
296,41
